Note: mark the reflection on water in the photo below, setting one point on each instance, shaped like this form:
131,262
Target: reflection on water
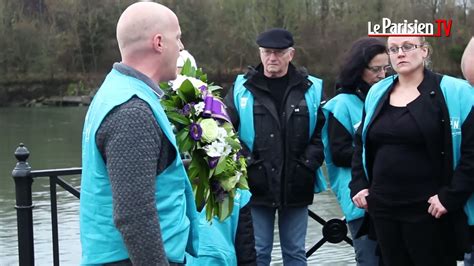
53,136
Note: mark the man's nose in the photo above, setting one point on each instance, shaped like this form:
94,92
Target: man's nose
273,56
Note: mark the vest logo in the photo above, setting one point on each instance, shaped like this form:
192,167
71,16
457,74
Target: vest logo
243,102
455,126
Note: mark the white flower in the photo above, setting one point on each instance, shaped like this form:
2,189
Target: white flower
175,84
221,134
210,129
217,149
197,83
199,108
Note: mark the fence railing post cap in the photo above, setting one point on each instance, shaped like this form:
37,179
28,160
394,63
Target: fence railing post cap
22,153
22,168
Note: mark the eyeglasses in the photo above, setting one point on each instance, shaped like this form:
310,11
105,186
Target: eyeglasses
277,52
406,47
377,69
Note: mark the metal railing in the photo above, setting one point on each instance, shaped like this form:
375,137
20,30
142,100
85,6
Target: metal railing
23,177
334,230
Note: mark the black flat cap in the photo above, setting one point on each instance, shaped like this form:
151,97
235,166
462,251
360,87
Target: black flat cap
276,38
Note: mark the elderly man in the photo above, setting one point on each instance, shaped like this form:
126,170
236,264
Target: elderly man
467,62
276,108
137,205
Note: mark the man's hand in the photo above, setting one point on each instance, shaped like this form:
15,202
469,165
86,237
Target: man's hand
436,208
359,199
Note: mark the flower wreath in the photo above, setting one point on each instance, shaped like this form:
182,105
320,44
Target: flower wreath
205,133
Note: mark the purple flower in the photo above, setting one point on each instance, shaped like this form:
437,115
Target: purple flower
218,191
203,88
186,109
195,131
213,162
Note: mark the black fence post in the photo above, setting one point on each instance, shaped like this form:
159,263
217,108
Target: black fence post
24,206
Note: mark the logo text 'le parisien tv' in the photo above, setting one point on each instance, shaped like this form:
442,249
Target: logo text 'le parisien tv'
415,28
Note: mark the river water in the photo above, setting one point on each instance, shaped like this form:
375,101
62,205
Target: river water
53,137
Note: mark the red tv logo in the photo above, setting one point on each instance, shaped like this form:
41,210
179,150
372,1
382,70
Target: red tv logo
415,28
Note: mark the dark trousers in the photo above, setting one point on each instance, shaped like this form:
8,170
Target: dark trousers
411,243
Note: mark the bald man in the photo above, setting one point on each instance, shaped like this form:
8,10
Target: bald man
137,205
467,62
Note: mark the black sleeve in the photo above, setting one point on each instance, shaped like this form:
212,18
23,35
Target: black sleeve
244,239
340,143
231,109
130,142
313,156
462,184
235,119
359,179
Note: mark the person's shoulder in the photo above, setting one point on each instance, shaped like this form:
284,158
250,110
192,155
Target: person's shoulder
132,110
343,97
135,103
380,87
461,83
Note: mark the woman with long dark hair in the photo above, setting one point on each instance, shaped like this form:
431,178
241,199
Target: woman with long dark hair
364,64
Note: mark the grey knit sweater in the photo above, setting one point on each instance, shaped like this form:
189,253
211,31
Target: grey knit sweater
135,151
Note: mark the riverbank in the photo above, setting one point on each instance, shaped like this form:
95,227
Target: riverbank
58,90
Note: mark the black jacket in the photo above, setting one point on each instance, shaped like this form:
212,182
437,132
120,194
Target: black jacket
282,166
340,141
454,186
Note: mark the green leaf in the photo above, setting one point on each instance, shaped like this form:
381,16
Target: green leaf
211,172
165,86
228,126
192,173
233,143
200,197
243,184
210,207
188,70
225,208
178,118
182,135
186,145
214,88
187,92
168,105
220,166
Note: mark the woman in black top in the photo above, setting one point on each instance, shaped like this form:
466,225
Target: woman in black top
416,198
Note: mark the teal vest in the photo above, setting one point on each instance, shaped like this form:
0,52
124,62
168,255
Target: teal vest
100,239
347,109
243,102
217,239
459,100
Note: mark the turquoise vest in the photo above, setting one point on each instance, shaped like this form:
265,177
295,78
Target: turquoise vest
100,239
459,100
347,109
243,102
217,239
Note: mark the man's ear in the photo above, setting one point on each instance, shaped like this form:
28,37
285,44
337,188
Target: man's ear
158,43
292,54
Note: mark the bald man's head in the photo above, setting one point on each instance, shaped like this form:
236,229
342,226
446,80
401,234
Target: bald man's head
148,36
467,62
139,22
